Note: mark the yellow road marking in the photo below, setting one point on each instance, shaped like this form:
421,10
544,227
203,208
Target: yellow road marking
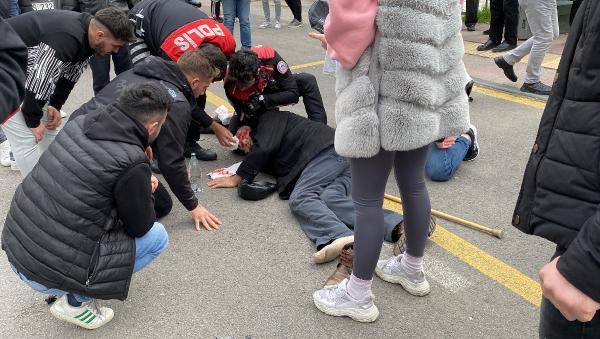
308,64
217,101
490,266
551,60
519,99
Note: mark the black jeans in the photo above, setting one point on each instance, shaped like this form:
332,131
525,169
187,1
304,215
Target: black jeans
100,65
554,326
296,8
505,15
471,15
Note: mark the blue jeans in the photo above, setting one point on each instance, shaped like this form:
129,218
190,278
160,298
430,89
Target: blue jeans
241,10
442,163
147,248
321,200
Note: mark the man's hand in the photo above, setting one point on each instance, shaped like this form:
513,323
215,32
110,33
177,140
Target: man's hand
202,216
153,183
225,182
446,143
570,301
38,132
223,134
54,118
320,37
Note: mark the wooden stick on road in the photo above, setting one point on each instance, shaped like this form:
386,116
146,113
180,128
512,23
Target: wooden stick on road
491,231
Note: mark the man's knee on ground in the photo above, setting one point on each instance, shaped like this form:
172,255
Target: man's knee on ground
438,174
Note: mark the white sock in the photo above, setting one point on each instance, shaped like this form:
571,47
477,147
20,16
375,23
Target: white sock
410,264
358,288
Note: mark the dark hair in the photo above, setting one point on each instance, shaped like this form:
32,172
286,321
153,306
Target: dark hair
116,22
216,58
243,66
195,63
145,102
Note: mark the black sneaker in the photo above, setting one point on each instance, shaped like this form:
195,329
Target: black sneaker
536,88
201,153
469,89
473,150
509,72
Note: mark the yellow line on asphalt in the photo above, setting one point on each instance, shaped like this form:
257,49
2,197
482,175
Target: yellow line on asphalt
217,101
551,60
519,99
308,64
490,266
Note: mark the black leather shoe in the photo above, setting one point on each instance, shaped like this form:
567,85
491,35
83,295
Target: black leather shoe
507,68
471,28
503,47
201,153
486,46
536,88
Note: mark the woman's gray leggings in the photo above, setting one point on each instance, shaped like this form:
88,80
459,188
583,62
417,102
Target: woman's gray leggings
369,178
267,10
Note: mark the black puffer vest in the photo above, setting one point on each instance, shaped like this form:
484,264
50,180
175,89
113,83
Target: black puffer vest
62,229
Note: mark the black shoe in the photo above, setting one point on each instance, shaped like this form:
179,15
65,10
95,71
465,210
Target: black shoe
486,46
503,47
507,68
536,88
473,150
486,32
469,88
471,28
154,167
201,153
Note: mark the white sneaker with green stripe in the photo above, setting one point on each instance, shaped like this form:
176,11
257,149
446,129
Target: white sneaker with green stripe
89,315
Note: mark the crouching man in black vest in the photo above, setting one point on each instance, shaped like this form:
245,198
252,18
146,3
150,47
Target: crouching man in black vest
97,227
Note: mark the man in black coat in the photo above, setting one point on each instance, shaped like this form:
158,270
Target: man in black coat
61,43
168,28
185,81
299,153
83,220
504,19
560,193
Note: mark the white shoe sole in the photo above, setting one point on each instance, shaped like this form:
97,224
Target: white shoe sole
419,290
73,321
368,315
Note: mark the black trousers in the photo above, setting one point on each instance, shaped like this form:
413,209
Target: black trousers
100,65
162,201
471,15
574,8
296,8
505,16
215,9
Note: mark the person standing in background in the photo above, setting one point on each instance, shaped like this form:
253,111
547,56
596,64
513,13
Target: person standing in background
267,12
296,8
471,15
241,10
504,16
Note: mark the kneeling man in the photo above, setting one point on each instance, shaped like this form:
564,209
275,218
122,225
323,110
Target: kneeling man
83,220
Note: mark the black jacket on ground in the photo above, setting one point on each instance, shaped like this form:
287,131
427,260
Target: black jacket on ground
169,145
560,193
284,143
72,220
13,64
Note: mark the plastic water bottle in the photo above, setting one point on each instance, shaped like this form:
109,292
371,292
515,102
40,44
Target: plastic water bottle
195,174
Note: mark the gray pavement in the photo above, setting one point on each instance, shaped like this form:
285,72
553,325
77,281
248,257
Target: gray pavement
255,276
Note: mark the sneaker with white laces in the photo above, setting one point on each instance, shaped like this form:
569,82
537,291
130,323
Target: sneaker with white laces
392,271
89,315
5,153
335,300
265,24
277,24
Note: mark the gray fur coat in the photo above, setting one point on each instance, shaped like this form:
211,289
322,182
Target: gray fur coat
408,88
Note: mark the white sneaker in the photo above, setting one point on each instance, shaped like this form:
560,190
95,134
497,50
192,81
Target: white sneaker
392,271
5,154
63,114
335,300
277,24
89,315
13,163
265,24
